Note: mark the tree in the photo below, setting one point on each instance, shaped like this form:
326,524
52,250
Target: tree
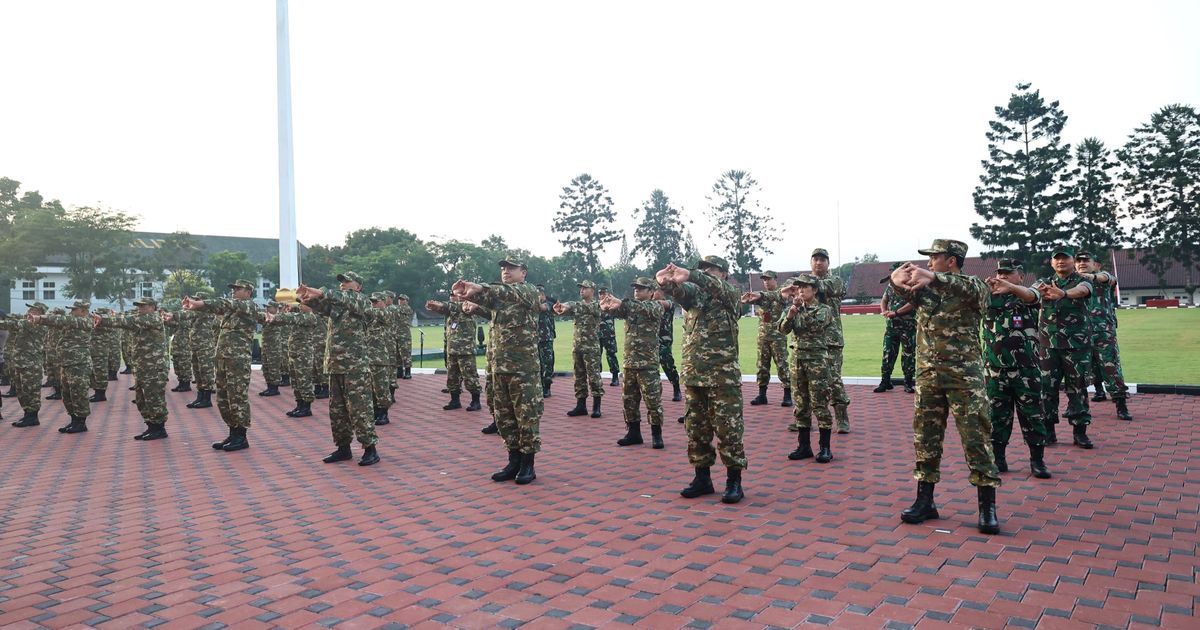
187,282
1095,225
316,266
741,221
181,256
659,236
1020,190
1161,177
93,239
226,266
584,218
269,271
27,224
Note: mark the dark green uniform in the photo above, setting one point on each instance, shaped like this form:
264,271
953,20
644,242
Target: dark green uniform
811,374
1106,354
1010,352
900,334
546,335
606,332
461,368
666,339
1066,341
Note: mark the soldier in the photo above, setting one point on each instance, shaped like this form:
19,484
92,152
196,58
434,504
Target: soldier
26,345
126,344
302,326
181,348
348,365
51,364
381,349
392,335
1010,354
74,360
237,320
901,332
833,290
1067,340
148,334
320,367
809,321
99,356
666,338
514,368
461,368
546,335
772,344
606,331
404,337
950,307
110,344
711,372
642,319
1106,355
271,351
203,328
586,349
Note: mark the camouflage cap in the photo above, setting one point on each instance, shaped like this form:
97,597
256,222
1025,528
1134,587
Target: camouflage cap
713,261
1009,264
821,252
642,282
1083,255
771,275
586,284
145,301
40,306
391,295
377,296
1063,250
58,310
512,260
804,278
350,276
402,296
945,246
83,304
241,284
272,304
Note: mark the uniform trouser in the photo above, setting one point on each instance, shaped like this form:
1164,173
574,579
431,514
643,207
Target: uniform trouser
151,396
715,411
112,353
1022,389
51,370
382,377
319,375
204,367
933,404
811,387
350,412
232,388
404,357
27,383
461,371
272,365
302,380
1069,368
546,361
609,347
99,376
837,391
587,372
181,357
1106,366
518,411
489,391
772,348
73,384
897,337
667,361
639,384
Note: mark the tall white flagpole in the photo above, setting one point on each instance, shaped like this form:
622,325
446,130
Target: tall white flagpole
289,259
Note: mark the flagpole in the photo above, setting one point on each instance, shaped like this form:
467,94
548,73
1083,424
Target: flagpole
289,260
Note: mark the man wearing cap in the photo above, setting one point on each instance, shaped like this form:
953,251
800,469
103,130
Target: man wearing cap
642,317
514,370
26,345
666,339
711,372
272,352
546,335
809,321
606,330
381,352
51,361
772,344
832,292
461,368
99,356
1066,339
901,332
179,330
1010,354
202,327
1106,355
348,363
303,328
74,360
586,351
392,332
404,319
950,307
237,321
148,333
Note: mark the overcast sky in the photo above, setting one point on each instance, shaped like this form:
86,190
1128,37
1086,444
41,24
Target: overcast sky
463,119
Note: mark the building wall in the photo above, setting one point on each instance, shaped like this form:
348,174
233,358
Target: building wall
50,289
1134,297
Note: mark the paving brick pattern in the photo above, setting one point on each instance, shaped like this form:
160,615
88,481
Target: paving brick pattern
100,530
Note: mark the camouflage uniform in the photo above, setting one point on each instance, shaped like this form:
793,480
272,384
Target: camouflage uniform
666,339
148,335
203,336
99,353
381,355
404,319
237,321
180,331
1106,354
1010,353
546,335
1066,343
900,333
832,291
642,381
586,349
26,349
810,365
50,361
461,369
772,344
348,364
606,331
110,346
72,356
126,343
513,370
302,332
272,353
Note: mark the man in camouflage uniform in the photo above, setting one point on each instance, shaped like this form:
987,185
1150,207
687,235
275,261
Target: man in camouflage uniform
348,364
50,362
110,345
642,319
809,321
586,349
26,345
772,344
381,350
461,368
1106,355
150,357
126,343
833,291
403,337
237,321
546,335
271,351
1010,354
950,307
74,360
513,369
711,372
901,332
1066,337
99,355
180,334
202,326
392,333
606,331
303,327
666,338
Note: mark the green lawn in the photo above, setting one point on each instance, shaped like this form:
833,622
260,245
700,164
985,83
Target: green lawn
1157,346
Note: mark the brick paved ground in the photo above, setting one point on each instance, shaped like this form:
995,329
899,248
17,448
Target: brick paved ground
100,530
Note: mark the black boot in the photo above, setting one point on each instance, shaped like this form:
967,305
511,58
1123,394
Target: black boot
884,384
112,375
78,425
57,395
143,434
286,381
229,438
616,380
1001,460
676,395
271,390
1099,397
595,406
381,417
454,402
825,455
11,393
183,386
923,509
545,391
633,434
321,392
656,436
30,419
1037,462
340,455
490,429
238,442
908,386
203,400
131,387
1081,437
399,372
1122,409
509,472
988,523
1051,436
370,456
303,410
526,474
761,399
733,486
474,406
803,447
156,432
100,395
787,397
700,486
580,408
682,419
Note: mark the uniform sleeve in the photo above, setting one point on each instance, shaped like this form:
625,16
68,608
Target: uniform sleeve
347,299
833,287
819,317
786,324
496,293
967,288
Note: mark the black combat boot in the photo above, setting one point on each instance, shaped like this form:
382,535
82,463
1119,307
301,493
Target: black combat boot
526,474
474,406
49,383
595,406
700,486
238,442
112,375
1001,461
156,432
1081,437
321,392
923,509
407,373
271,390
616,380
340,455
1037,462
78,425
1051,436
143,434
303,410
676,395
1099,397
381,417
908,386
580,408
286,381
803,447
761,398
656,440
454,402
490,429
787,397
183,386
203,400
399,372
733,486
633,434
57,395
1122,409
30,419
221,445
370,456
100,395
509,472
988,523
545,391
131,387
825,455
884,385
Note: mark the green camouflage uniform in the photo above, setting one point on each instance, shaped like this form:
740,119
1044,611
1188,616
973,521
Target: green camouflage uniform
950,376
50,362
72,356
126,343
110,346
642,381
99,353
404,336
26,349
832,291
546,335
237,321
1106,354
513,371
302,331
348,364
149,338
772,344
203,335
1066,343
666,339
272,352
811,374
606,331
180,331
1014,379
461,368
381,355
586,349
901,333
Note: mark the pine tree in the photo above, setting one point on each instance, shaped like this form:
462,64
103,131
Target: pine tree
741,221
659,236
584,218
1094,225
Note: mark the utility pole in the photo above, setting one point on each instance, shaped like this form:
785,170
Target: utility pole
289,258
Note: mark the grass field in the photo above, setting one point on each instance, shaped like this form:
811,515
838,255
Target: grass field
1157,346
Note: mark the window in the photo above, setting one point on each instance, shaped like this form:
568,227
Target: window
148,289
47,290
266,284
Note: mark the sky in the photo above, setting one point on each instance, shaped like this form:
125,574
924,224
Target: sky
863,122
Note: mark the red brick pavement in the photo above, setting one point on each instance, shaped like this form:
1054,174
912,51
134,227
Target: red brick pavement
100,530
